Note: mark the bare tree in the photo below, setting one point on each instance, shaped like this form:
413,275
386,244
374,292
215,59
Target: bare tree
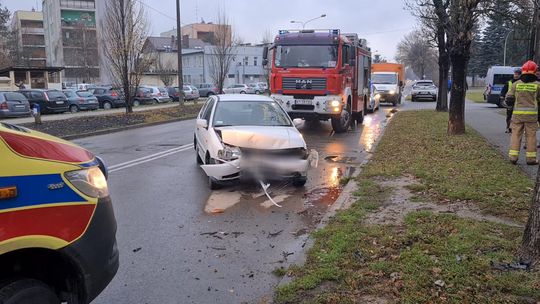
5,38
166,74
222,53
432,17
124,31
416,52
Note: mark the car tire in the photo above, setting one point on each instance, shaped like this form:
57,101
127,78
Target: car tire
107,105
73,108
300,182
136,103
258,92
242,92
413,99
213,184
27,291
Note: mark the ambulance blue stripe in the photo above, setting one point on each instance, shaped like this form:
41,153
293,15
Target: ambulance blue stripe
93,163
34,190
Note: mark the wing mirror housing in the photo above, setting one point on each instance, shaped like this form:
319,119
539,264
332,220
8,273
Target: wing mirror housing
202,123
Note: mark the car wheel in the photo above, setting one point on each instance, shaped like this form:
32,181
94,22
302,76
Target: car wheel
413,99
155,101
107,105
299,182
136,103
73,109
199,159
27,291
258,92
242,92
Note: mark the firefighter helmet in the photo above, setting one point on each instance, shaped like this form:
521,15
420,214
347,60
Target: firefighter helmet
529,67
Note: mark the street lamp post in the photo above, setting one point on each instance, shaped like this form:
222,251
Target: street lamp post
179,43
306,22
505,44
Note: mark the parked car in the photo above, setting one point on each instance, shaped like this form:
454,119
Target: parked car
237,89
424,89
191,92
158,94
109,97
81,101
57,224
14,104
82,87
174,93
263,85
49,101
239,135
207,89
142,96
255,88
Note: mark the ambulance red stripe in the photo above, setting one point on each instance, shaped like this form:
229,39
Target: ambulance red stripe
46,149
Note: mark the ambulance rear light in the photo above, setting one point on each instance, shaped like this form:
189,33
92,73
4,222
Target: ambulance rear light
8,193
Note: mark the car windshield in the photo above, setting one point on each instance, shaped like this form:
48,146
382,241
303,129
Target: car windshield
307,56
384,78
84,94
250,113
424,84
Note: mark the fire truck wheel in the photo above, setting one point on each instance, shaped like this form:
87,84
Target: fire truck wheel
341,123
359,117
27,291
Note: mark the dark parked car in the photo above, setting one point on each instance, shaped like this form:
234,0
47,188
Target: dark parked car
13,104
207,89
174,93
49,101
81,101
109,97
143,96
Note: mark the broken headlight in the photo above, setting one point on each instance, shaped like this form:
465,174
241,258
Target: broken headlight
229,153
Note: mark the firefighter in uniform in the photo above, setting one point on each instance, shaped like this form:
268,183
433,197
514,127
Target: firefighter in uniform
524,95
509,107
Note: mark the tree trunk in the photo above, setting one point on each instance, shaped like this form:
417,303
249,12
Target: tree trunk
530,245
444,67
456,122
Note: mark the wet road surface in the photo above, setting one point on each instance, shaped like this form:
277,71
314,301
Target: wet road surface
181,243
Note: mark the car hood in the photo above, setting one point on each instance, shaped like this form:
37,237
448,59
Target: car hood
385,87
264,138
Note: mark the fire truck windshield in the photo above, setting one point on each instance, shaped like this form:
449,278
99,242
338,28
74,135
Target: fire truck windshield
306,56
384,78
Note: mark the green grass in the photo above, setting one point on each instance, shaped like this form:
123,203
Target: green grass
475,96
400,263
451,167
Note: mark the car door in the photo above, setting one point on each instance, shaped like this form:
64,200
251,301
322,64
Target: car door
202,133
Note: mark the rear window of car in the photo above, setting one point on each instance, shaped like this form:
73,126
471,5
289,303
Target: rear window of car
84,94
424,83
69,93
193,88
162,90
186,88
55,94
14,96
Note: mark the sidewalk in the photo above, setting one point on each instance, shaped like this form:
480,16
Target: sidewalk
485,119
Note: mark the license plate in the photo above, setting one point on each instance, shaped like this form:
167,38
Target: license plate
20,106
59,102
424,93
303,101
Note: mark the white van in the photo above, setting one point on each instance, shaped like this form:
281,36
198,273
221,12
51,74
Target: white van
496,78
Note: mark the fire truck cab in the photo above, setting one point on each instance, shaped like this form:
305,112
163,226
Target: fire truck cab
321,75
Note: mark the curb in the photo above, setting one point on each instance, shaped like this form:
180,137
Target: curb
126,128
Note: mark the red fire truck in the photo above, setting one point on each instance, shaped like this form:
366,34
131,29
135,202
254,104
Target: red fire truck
321,75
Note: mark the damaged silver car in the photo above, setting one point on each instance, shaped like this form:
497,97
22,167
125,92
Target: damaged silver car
246,136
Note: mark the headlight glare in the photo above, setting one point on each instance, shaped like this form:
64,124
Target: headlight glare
91,182
335,103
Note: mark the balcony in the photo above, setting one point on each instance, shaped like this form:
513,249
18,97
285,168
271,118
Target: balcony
32,30
78,4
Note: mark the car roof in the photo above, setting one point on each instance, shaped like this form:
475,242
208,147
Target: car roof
243,97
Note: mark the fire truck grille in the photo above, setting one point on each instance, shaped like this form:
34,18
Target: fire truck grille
318,84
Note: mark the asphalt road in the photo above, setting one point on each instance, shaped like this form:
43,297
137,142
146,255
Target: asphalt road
181,243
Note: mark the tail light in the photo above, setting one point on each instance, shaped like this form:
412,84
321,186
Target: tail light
114,94
159,94
3,106
81,100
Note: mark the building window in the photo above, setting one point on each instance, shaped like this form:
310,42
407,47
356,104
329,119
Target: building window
255,60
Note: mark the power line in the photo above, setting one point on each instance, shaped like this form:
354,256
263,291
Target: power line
158,11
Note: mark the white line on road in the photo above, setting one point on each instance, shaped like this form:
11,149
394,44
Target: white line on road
149,158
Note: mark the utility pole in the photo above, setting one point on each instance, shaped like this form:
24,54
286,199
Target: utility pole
534,44
179,43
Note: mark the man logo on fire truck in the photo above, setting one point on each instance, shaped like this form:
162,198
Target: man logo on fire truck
321,75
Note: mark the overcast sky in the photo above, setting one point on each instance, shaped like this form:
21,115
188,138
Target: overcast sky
382,22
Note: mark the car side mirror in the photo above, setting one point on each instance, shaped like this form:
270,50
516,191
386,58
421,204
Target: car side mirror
202,123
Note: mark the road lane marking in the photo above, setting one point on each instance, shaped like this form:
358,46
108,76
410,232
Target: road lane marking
149,158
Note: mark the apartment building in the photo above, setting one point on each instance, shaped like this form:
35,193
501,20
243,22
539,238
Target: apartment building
29,38
71,38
